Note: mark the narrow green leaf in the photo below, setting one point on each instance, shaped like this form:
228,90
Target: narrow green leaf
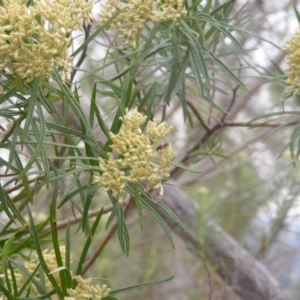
150,100
30,278
96,33
68,247
123,232
48,106
136,196
222,7
110,298
40,253
30,108
77,109
69,188
40,135
173,74
207,6
13,146
159,220
114,211
182,87
163,206
63,274
5,292
126,91
296,13
227,70
9,207
140,286
186,168
86,207
96,110
42,131
146,48
13,278
5,96
69,131
87,244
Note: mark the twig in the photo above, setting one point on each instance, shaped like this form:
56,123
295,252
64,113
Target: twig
187,159
87,29
230,104
77,219
258,124
190,104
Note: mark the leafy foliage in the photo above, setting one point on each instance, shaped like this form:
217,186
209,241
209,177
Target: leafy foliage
53,133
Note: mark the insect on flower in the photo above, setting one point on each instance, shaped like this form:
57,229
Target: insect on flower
162,146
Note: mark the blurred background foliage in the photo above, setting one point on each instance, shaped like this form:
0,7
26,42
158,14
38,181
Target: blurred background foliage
218,76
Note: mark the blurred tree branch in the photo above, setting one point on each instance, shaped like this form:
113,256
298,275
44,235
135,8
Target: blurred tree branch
237,267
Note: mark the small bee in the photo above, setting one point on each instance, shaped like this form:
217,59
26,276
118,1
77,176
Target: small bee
162,146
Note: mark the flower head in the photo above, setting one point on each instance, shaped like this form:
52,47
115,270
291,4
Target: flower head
135,13
34,39
84,290
31,265
293,60
138,159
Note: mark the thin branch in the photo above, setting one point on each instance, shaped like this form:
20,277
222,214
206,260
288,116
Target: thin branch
258,124
234,91
209,172
198,116
87,29
186,159
93,213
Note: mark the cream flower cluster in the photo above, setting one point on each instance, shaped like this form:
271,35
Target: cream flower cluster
136,12
138,159
51,262
84,290
34,39
293,60
50,259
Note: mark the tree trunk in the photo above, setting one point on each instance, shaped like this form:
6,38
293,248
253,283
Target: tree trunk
248,277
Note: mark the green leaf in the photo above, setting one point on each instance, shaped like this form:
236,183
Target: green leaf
149,99
30,108
5,96
173,74
30,278
5,292
297,13
95,34
163,206
127,91
39,252
96,110
87,244
222,7
40,135
77,109
196,49
9,207
123,232
140,286
186,168
226,70
158,219
136,196
48,106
